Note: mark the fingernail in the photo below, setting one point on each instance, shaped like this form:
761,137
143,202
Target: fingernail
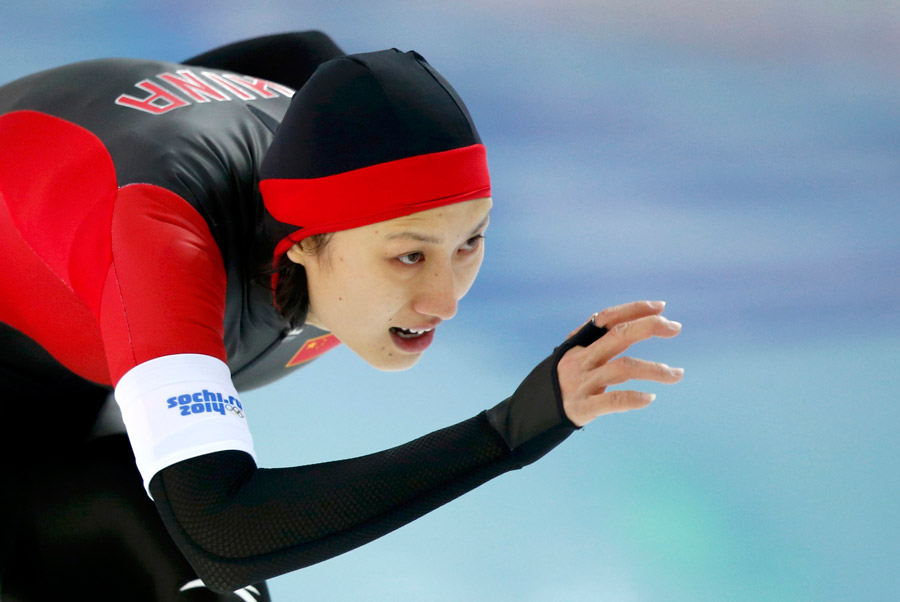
675,324
658,304
651,396
677,371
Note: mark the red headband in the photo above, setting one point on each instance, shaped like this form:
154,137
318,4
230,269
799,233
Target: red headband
376,193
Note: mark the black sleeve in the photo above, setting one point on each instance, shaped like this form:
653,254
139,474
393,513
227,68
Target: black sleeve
239,524
288,58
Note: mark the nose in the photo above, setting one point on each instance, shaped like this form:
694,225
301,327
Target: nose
437,295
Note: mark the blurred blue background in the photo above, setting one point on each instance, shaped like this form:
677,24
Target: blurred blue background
739,160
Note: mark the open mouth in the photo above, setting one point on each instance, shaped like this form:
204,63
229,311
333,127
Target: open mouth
409,333
411,340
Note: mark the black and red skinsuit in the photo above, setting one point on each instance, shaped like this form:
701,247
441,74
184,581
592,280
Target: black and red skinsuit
131,228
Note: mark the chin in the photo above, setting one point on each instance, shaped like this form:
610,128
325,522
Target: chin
383,355
396,363
391,361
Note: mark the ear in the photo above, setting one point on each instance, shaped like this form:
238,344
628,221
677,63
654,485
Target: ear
297,254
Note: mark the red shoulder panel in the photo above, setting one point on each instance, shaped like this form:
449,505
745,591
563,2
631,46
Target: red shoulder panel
103,278
165,289
37,302
59,184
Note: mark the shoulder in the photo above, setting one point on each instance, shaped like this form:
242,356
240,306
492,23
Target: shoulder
133,102
185,128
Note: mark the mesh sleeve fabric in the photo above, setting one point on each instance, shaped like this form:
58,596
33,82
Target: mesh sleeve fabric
238,524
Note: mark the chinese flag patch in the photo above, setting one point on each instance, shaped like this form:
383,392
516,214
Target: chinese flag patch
313,348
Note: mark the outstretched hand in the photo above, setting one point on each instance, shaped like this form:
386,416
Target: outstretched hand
586,372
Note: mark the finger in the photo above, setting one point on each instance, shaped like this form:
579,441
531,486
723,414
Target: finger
611,316
623,401
624,369
625,334
614,401
627,312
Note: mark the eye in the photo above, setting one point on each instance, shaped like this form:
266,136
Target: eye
411,258
472,244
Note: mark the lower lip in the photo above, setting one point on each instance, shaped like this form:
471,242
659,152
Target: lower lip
413,345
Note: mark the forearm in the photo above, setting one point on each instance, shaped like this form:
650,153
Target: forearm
239,524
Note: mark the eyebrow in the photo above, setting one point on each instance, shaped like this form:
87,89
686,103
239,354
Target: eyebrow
411,235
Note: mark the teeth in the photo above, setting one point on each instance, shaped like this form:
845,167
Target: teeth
409,332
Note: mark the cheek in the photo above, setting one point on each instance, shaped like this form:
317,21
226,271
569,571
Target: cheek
467,274
330,289
354,297
319,286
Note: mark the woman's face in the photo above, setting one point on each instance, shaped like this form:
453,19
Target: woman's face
382,289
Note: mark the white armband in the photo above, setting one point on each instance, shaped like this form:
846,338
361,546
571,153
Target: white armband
179,407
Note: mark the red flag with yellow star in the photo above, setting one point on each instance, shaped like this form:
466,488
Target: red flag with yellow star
313,348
